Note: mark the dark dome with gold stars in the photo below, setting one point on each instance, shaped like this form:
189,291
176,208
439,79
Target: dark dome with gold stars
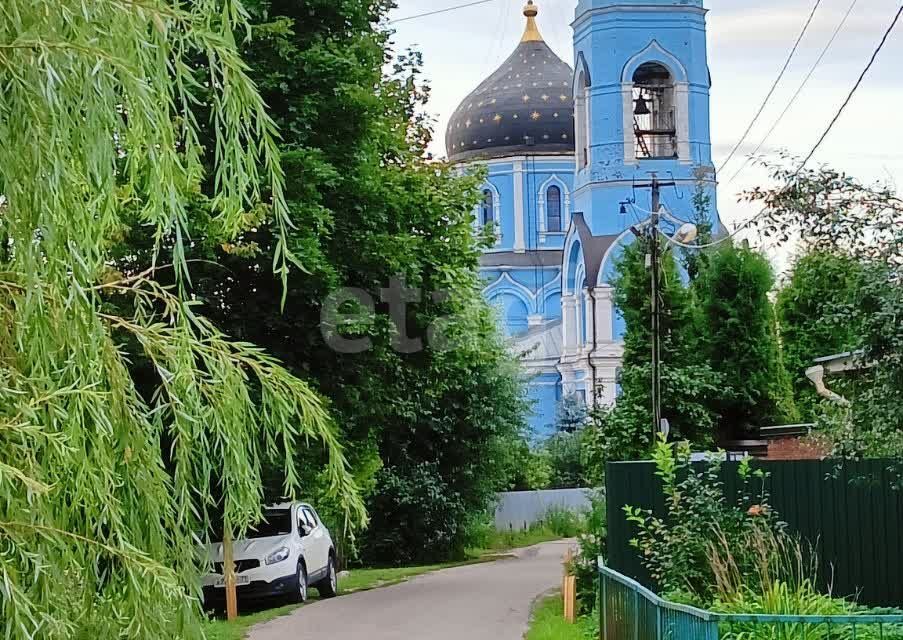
526,106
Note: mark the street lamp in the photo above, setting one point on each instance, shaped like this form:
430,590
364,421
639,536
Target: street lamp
686,234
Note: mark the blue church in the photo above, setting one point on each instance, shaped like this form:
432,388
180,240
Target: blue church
564,150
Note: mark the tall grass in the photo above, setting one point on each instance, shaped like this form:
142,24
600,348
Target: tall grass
776,574
564,523
556,523
768,558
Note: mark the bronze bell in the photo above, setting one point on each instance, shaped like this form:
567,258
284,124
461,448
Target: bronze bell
641,109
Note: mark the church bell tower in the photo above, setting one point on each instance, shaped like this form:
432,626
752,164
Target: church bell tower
641,100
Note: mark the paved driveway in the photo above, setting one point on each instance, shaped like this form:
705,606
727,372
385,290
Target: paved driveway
490,601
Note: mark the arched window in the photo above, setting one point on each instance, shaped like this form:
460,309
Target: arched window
553,209
487,208
654,127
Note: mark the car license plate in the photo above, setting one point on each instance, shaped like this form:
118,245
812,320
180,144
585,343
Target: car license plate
239,581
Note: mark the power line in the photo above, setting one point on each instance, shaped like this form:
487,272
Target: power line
796,95
773,87
856,86
438,11
818,144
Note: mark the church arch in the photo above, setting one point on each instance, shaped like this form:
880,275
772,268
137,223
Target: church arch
514,312
573,258
607,268
493,198
547,217
548,300
551,305
655,98
607,274
654,53
654,113
508,285
582,124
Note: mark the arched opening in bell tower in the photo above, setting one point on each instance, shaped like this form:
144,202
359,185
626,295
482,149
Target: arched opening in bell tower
581,119
654,122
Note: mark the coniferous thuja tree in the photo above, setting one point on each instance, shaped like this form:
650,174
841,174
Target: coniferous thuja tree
625,431
738,336
103,490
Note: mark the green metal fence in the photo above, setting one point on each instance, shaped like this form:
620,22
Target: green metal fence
851,512
629,611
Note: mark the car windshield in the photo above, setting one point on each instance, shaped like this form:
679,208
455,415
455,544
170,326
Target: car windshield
276,522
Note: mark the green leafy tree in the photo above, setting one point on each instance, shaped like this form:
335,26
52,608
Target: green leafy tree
740,341
837,214
563,453
817,317
366,206
528,468
103,489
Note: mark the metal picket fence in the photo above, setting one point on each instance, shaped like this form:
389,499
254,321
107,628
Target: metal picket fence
629,611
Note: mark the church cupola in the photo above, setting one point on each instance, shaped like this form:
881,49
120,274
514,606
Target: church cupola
525,107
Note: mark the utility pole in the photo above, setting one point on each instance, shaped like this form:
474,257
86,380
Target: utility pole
655,258
656,313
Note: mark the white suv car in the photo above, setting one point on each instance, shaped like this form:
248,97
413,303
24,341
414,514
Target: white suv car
285,554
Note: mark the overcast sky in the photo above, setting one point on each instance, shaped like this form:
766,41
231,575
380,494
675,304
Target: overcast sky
748,43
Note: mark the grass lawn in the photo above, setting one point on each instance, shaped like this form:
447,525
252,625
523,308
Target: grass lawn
549,624
359,580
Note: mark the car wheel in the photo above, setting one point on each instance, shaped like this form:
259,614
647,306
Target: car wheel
329,586
300,592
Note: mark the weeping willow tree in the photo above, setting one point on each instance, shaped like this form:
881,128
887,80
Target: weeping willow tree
103,489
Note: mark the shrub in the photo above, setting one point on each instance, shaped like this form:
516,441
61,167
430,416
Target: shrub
592,545
676,549
435,518
527,469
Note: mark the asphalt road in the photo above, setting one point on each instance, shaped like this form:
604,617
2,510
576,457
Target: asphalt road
490,601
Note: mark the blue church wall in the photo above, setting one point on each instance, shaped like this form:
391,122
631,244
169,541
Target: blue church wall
535,173
552,306
504,185
539,290
544,393
538,177
513,311
534,278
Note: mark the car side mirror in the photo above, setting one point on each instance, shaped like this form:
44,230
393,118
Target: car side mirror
304,530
